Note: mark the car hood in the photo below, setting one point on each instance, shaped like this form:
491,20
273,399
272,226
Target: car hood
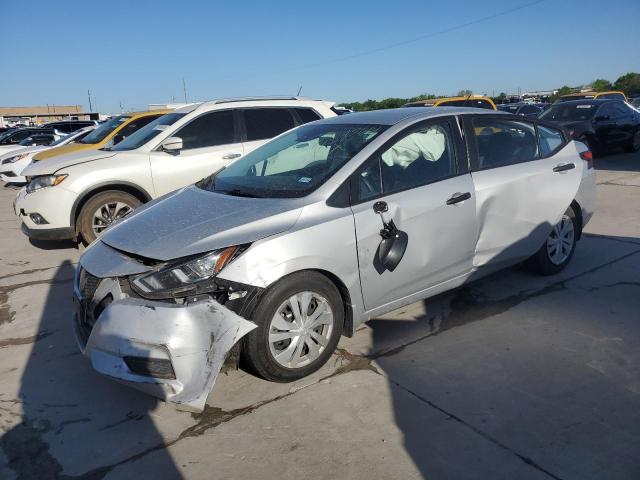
22,150
191,221
65,149
54,164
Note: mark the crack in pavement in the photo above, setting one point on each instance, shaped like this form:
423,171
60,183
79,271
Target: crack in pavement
529,461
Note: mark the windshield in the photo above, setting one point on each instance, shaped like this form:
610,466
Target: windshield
469,102
569,98
105,129
295,164
147,132
569,112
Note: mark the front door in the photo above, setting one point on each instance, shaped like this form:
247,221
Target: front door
421,176
209,142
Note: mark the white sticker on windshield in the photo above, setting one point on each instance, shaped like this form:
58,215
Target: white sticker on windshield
584,106
304,179
161,127
123,120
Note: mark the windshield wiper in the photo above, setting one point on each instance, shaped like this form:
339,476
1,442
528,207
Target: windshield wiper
238,193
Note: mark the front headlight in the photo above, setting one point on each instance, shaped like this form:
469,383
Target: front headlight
15,158
36,183
182,277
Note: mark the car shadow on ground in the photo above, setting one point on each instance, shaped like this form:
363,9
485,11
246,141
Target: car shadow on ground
548,390
75,423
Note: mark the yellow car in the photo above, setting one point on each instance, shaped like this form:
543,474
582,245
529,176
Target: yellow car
470,101
109,133
614,94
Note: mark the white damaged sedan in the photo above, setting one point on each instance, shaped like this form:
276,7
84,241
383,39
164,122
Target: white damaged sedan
328,225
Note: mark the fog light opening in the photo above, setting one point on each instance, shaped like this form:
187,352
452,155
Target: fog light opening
37,219
151,367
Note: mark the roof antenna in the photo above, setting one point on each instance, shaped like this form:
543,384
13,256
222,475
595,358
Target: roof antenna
299,90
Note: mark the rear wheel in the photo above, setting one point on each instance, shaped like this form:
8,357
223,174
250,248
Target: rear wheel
102,210
300,321
634,143
558,248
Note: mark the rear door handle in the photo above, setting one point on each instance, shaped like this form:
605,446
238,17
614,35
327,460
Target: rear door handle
231,156
563,167
458,197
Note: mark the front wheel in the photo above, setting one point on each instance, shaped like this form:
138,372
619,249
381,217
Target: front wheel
557,250
102,210
300,321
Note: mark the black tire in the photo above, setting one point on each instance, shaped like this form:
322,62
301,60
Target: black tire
542,263
85,219
256,351
634,143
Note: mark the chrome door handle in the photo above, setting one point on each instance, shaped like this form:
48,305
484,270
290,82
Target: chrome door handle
231,156
458,197
563,167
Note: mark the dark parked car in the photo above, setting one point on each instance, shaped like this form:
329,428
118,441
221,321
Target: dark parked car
18,135
40,139
524,109
69,126
602,124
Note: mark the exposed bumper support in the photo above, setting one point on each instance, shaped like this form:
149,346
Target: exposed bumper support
195,338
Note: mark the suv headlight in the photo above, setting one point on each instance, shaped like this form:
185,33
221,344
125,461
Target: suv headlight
15,158
36,183
187,275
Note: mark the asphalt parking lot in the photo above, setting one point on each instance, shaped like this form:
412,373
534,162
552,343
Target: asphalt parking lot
514,376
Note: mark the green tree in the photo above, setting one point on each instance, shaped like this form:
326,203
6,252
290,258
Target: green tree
564,90
465,93
629,83
601,85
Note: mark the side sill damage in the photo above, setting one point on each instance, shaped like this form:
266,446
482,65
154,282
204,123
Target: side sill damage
173,352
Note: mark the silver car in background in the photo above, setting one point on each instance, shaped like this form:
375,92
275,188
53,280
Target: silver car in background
289,248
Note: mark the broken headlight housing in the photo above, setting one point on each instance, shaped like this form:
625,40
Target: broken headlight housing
183,278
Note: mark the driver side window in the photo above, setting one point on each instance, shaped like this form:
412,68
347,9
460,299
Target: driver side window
422,156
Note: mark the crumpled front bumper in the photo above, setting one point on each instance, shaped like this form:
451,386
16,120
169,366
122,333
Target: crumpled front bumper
193,339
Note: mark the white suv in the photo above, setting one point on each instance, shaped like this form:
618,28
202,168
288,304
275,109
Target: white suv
81,194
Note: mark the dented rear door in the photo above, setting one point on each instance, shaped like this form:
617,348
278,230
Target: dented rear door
522,186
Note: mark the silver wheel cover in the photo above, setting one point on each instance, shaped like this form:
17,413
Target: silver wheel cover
106,214
560,241
300,329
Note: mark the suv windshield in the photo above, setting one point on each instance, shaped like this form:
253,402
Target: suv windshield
105,129
295,164
147,132
569,112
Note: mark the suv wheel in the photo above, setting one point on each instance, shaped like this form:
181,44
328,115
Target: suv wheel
102,210
558,248
300,321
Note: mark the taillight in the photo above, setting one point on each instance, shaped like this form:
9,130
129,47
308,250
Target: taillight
587,156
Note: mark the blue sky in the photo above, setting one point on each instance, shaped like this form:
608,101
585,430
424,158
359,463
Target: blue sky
136,52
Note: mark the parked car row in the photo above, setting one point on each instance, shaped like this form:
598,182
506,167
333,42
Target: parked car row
278,226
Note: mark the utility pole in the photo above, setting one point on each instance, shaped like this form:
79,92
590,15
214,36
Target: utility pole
90,104
299,90
184,88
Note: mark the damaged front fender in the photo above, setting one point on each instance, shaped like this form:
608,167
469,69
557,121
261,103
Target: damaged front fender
174,352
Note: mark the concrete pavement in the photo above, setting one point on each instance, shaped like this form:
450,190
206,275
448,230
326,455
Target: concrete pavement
513,376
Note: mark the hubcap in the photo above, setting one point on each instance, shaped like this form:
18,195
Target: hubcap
560,241
300,329
107,214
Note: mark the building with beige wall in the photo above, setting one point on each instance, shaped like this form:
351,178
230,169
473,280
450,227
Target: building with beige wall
47,113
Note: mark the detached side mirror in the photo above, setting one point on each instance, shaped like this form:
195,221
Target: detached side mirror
171,144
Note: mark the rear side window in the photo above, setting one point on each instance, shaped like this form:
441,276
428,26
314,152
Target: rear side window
261,123
209,130
307,115
550,140
422,156
504,142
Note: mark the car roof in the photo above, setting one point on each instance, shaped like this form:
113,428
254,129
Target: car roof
392,116
253,101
